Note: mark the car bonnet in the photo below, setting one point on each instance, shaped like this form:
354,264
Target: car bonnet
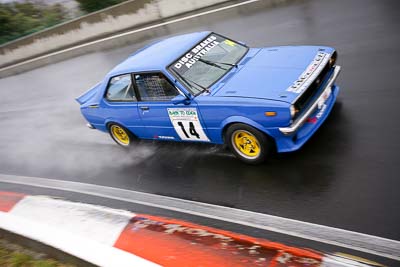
269,73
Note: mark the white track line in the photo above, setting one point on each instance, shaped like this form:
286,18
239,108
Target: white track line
127,33
334,236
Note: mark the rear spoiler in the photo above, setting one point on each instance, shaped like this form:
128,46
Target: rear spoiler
87,95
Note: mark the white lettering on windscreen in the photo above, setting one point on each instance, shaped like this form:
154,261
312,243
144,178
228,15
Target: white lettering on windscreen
196,53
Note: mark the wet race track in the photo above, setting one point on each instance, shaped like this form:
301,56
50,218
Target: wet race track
346,176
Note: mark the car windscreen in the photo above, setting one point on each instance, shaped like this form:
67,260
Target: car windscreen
207,62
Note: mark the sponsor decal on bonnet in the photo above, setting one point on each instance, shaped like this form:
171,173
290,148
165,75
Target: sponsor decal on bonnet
310,74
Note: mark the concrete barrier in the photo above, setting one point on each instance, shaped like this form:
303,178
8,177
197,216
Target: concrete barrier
97,25
69,40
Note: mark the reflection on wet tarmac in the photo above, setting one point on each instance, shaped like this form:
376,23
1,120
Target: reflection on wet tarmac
346,176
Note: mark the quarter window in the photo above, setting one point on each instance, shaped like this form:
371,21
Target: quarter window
154,87
120,89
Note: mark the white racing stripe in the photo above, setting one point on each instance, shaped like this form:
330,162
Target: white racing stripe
353,240
71,243
128,33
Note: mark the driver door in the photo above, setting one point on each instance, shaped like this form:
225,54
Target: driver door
161,118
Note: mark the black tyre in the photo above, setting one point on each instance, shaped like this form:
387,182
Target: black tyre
249,144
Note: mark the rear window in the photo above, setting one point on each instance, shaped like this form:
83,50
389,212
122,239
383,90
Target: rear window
120,89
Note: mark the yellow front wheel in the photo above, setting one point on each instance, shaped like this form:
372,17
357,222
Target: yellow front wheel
249,144
246,143
120,135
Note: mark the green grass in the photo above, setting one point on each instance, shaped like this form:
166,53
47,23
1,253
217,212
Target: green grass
12,255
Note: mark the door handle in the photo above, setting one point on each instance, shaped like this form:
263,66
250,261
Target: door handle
144,108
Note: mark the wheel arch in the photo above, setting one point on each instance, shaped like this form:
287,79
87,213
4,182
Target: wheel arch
240,119
110,121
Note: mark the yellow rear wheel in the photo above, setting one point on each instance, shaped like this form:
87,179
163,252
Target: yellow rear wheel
120,135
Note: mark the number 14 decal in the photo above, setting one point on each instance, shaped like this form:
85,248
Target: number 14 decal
187,124
192,130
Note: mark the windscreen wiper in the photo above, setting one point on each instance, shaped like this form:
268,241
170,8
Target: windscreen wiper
214,63
190,82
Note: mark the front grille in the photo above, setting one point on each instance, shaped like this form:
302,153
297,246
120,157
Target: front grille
304,100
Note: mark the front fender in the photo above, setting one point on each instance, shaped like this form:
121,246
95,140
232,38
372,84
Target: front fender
240,119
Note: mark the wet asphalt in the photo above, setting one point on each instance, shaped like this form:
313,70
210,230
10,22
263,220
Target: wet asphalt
346,176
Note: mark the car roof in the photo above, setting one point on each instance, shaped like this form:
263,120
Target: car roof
158,55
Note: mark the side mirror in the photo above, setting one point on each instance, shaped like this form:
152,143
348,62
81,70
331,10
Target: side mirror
180,99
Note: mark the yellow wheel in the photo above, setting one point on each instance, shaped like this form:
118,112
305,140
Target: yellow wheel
120,135
246,144
249,144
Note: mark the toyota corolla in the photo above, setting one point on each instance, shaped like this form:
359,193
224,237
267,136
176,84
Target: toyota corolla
205,87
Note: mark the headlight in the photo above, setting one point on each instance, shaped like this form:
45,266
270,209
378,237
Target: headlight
332,60
292,111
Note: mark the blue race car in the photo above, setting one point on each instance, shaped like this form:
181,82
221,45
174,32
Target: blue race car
205,87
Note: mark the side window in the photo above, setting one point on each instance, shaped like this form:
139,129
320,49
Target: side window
154,87
120,89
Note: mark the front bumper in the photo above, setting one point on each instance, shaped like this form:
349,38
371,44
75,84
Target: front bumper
303,118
